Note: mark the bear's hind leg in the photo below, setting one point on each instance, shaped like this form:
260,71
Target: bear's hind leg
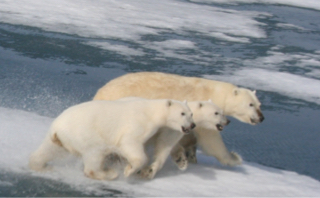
94,166
47,152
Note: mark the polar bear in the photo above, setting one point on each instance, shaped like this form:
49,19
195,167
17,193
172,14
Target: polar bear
237,102
97,128
205,115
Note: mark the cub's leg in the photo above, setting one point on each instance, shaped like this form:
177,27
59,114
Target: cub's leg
94,165
178,156
191,154
189,143
135,155
164,141
212,144
50,149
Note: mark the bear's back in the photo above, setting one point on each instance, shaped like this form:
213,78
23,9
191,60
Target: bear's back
157,85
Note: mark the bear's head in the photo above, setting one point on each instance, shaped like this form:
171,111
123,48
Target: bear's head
244,105
179,116
208,115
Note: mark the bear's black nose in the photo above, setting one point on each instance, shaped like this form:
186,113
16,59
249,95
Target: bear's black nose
261,118
219,127
228,121
193,125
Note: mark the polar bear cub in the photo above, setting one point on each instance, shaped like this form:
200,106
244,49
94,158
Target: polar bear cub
205,115
95,129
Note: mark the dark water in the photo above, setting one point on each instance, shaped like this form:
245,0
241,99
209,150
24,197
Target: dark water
23,185
46,72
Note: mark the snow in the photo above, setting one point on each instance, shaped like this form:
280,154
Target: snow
290,26
310,4
129,21
268,73
281,82
121,49
126,19
21,132
124,26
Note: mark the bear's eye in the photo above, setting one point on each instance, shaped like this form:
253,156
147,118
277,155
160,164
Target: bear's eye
251,104
216,113
183,114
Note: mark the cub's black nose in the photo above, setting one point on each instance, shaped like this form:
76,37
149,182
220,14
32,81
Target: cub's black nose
193,125
219,127
261,118
228,121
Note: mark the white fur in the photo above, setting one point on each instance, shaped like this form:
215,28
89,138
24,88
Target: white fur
95,129
205,115
238,102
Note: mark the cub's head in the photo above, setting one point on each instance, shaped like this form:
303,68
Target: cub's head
208,115
179,116
245,106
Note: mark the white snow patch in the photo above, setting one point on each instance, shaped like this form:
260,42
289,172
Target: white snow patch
292,85
290,26
175,44
129,20
310,4
22,132
121,49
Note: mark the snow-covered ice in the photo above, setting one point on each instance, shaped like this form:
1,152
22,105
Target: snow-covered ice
281,82
21,132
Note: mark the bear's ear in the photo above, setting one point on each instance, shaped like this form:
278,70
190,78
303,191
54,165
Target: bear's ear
254,91
185,102
169,103
200,104
236,91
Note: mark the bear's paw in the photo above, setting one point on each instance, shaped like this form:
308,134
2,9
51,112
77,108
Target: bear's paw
233,159
147,173
181,161
191,154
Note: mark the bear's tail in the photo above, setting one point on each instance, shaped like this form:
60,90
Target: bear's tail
55,139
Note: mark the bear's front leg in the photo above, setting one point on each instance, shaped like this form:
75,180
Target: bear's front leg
93,166
161,153
189,144
191,154
232,159
136,157
179,157
165,142
147,173
212,144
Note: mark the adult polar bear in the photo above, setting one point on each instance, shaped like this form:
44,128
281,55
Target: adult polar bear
97,128
237,102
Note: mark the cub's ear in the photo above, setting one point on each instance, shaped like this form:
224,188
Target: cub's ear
185,102
254,91
209,100
200,104
236,91
169,103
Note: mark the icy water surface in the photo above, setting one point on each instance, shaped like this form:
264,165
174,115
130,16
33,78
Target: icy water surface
54,55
